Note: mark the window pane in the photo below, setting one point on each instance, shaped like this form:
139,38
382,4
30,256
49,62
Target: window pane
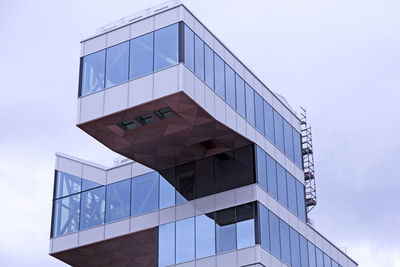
261,168
185,240
66,184
87,184
66,215
92,208
288,139
297,149
274,234
230,86
295,248
271,177
117,61
244,166
245,226
144,193
264,227
285,241
303,252
199,57
93,72
320,257
189,48
141,61
240,96
278,125
166,47
204,177
224,172
118,200
205,236
225,230
327,261
269,122
250,104
301,208
166,244
311,255
185,181
334,264
167,194
209,67
282,187
219,76
292,198
259,113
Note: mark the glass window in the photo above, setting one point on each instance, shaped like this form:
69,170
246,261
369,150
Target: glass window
185,240
167,193
185,181
141,61
166,47
261,168
334,264
295,248
240,96
259,113
87,184
189,48
166,244
291,188
204,177
269,122
225,230
92,208
118,198
278,125
250,104
92,76
224,171
320,257
230,86
301,208
244,166
205,235
303,251
219,75
298,159
311,255
199,57
66,215
285,241
264,227
327,261
209,66
288,139
282,187
66,184
144,193
245,226
117,61
271,177
274,234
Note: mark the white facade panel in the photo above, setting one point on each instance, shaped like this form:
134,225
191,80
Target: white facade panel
91,235
142,27
70,166
209,101
185,210
167,215
239,68
65,242
229,58
218,48
258,87
207,262
240,125
267,95
310,234
119,173
225,200
140,90
199,92
205,205
116,98
227,259
318,240
208,39
118,228
118,36
283,213
246,256
249,77
198,29
187,18
94,174
245,194
139,169
251,132
145,221
230,117
92,106
220,109
188,82
166,18
166,81
95,44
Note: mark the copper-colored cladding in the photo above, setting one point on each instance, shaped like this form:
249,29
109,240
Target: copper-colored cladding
136,250
189,135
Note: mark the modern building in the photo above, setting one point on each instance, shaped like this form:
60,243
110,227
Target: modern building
213,174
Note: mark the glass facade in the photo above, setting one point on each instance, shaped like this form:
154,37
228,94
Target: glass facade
141,56
117,61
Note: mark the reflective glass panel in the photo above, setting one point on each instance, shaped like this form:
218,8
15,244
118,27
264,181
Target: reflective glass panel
264,227
292,197
271,177
166,47
118,200
185,240
320,257
244,166
219,76
259,113
303,251
117,61
166,244
92,208
189,48
334,264
209,66
87,184
250,104
261,168
274,235
311,255
225,230
240,96
66,215
269,122
327,261
301,208
245,226
282,187
66,184
288,139
185,181
199,57
297,149
141,61
167,193
224,171
295,248
144,193
278,125
205,235
285,241
93,67
230,86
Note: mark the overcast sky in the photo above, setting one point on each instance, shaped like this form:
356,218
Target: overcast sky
338,58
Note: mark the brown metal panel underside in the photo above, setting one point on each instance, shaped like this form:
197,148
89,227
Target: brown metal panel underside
190,134
136,250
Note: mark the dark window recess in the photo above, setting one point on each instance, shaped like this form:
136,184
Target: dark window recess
127,125
244,166
224,171
164,113
185,180
204,177
145,119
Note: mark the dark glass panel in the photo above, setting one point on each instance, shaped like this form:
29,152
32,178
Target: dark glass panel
199,57
166,244
298,159
282,187
66,215
261,168
303,251
144,193
142,55
292,197
244,166
288,139
117,62
209,66
271,177
92,208
219,76
295,248
185,240
204,177
301,208
274,235
264,227
189,48
224,171
93,67
269,122
250,104
66,184
240,96
230,86
225,230
118,200
185,181
258,101
205,236
278,126
285,241
166,47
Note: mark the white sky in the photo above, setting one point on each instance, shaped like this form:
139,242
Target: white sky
338,58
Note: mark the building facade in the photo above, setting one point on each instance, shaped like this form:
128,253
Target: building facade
214,171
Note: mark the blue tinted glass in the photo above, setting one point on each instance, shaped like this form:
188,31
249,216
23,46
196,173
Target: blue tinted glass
240,96
93,67
205,236
285,241
269,122
166,47
261,168
274,235
311,255
292,197
288,139
66,215
259,113
144,193
327,261
199,57
219,76
167,194
189,48
297,149
166,244
271,177
230,86
141,61
278,125
303,251
282,187
117,61
118,200
301,208
295,248
66,184
225,230
92,208
334,264
320,257
209,66
250,104
87,184
185,240
245,234
264,227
